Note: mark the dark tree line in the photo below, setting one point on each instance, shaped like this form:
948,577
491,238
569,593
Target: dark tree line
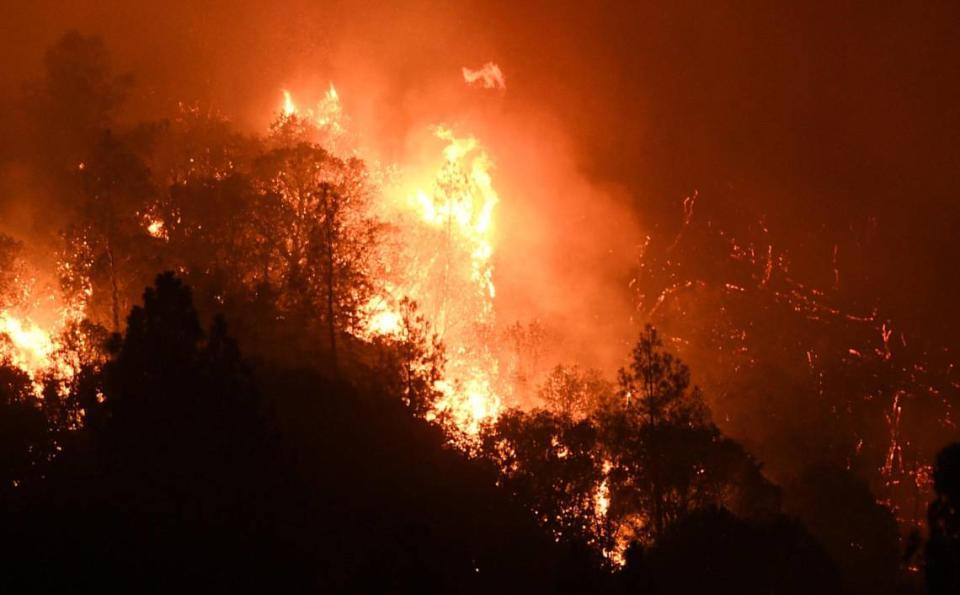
646,447
198,470
943,518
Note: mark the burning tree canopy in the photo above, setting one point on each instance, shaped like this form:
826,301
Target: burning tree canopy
625,464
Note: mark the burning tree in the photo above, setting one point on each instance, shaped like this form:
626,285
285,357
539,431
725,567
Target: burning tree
610,467
553,465
107,253
414,358
666,457
324,239
573,392
10,272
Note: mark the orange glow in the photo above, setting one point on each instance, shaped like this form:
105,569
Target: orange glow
289,108
382,320
156,228
443,211
37,350
325,116
31,347
461,206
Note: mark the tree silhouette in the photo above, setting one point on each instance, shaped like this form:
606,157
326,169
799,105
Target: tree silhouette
649,447
666,458
713,551
572,392
552,464
943,520
107,250
75,100
223,257
656,385
25,440
323,239
412,362
861,535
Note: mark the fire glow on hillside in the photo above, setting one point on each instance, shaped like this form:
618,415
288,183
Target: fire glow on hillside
442,216
446,233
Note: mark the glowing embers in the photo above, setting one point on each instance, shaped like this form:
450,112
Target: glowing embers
156,228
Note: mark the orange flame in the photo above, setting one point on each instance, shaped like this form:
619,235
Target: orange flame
326,116
156,228
447,226
35,350
31,347
289,108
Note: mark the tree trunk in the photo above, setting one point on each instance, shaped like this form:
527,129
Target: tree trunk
114,290
331,324
330,224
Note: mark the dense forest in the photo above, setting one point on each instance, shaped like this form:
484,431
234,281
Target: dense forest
219,418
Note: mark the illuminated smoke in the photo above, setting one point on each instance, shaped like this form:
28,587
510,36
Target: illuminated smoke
489,76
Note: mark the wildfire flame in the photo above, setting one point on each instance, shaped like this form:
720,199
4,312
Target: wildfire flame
447,226
289,107
36,350
462,206
327,115
382,319
156,228
31,347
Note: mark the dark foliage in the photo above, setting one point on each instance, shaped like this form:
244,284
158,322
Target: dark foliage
191,475
650,449
712,551
24,437
859,534
943,547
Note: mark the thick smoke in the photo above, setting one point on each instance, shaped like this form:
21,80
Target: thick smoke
817,120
